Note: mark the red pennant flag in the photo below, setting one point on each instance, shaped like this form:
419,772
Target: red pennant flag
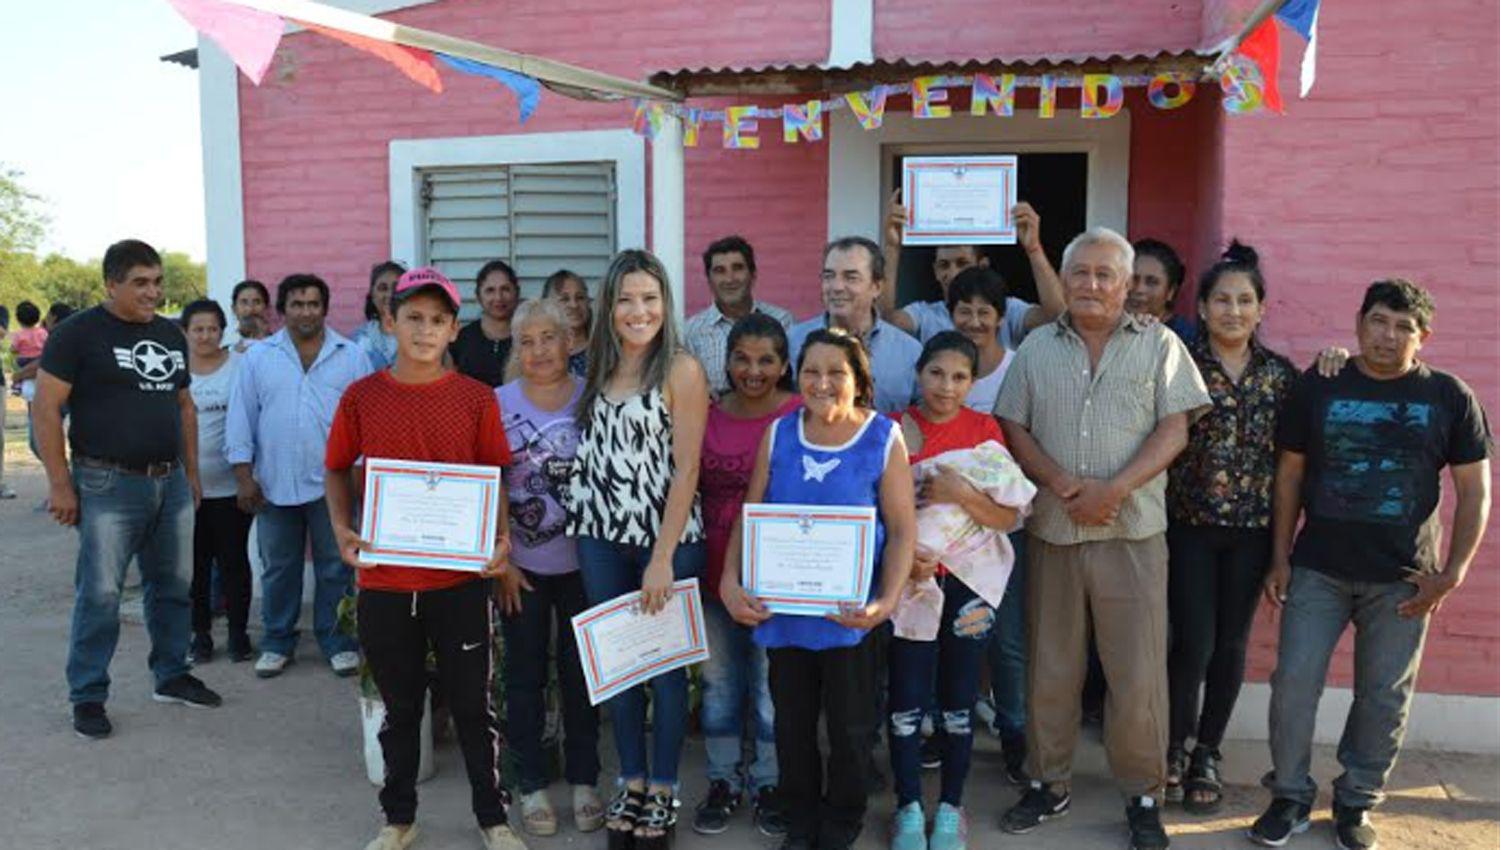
1263,47
413,62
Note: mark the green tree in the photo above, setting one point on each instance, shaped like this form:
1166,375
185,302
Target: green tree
183,280
79,285
22,221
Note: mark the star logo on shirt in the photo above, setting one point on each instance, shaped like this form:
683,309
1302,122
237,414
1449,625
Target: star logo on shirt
150,359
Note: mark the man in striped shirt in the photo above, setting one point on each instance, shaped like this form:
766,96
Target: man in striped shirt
1095,406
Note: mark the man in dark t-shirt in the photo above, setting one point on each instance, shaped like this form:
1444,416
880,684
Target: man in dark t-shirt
133,482
1361,457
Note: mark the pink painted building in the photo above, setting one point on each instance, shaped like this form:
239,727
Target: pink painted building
1392,166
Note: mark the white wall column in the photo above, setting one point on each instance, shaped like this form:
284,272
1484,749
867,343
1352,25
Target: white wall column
223,189
668,184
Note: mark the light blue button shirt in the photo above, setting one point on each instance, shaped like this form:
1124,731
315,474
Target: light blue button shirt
279,415
893,360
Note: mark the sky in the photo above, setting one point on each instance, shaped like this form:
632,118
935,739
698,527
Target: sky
103,130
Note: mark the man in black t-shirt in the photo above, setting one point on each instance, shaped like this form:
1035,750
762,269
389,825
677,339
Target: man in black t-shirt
483,346
1361,457
133,483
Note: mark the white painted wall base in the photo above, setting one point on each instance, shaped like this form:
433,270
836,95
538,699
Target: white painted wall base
1465,724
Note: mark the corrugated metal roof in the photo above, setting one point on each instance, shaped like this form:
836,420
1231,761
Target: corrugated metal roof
792,77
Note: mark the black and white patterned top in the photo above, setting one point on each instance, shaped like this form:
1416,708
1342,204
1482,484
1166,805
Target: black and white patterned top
622,473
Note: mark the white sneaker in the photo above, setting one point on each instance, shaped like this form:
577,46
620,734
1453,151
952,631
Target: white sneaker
393,838
271,664
500,838
344,663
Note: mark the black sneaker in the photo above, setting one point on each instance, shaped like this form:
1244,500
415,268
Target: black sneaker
1037,806
790,843
90,721
1352,828
187,690
1013,752
1282,819
1146,832
202,649
932,751
712,815
769,818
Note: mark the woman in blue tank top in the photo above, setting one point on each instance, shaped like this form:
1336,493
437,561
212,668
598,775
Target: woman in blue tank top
836,450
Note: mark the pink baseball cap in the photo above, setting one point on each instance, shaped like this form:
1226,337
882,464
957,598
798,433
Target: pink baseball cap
423,279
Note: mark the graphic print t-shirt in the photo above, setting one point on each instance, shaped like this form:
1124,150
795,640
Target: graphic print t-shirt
125,377
1374,453
543,444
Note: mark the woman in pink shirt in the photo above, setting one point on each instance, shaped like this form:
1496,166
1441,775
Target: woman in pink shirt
734,677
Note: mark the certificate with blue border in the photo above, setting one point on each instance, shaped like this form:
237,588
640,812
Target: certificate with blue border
434,515
622,646
808,559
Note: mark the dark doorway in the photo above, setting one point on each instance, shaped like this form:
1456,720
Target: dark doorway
1056,184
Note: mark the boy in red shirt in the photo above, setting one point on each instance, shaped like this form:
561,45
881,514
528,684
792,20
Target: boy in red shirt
420,410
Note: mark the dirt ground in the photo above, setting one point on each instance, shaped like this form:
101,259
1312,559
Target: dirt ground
280,765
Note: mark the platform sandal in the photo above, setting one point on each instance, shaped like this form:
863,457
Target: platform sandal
623,815
1203,790
658,822
1176,766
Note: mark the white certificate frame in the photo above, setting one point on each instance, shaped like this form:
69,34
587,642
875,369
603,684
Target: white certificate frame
468,558
685,596
860,520
1001,168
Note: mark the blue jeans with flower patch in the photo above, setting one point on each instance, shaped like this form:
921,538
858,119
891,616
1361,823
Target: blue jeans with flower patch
955,657
122,516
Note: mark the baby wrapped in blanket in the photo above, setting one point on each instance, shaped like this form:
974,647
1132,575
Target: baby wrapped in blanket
980,557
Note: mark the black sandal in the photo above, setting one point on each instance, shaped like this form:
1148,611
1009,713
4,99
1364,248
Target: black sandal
1202,787
623,814
1176,766
660,817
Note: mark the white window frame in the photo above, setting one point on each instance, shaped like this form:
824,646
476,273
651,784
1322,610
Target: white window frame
859,181
409,157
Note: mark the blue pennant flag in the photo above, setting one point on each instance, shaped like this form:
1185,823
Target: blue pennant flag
526,89
1302,16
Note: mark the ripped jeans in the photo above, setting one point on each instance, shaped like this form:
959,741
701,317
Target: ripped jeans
955,657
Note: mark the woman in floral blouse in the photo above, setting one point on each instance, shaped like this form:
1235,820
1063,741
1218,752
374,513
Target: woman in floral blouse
1219,502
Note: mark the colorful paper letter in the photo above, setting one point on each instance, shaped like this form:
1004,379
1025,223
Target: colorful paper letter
987,93
739,128
868,107
805,121
1092,107
647,119
926,97
1156,90
1046,104
692,124
1242,85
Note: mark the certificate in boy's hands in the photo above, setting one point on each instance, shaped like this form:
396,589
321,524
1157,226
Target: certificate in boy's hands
622,646
810,560
434,515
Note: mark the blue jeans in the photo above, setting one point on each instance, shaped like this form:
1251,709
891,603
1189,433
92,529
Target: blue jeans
954,657
122,517
1006,654
735,679
611,570
528,639
283,534
1387,652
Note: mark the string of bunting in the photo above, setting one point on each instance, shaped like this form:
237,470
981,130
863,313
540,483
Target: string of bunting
1103,95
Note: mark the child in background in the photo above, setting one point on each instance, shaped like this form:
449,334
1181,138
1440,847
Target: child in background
27,344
